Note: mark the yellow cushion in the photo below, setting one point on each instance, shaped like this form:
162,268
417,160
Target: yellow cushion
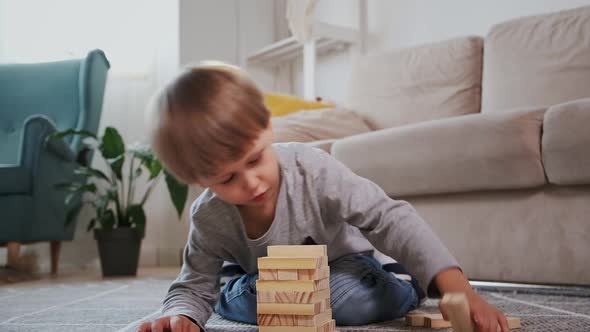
280,104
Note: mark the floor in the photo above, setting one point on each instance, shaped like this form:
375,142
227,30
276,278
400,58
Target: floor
83,301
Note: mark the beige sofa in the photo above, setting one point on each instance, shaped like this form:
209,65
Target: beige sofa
489,138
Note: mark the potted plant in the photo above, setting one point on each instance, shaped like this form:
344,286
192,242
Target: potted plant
119,218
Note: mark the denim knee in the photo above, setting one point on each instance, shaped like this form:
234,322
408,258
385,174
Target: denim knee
237,300
363,293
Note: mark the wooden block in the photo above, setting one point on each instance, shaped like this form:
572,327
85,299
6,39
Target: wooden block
288,274
297,251
292,285
457,307
294,320
316,274
327,327
308,263
268,274
427,320
415,320
513,323
292,297
436,322
276,274
293,308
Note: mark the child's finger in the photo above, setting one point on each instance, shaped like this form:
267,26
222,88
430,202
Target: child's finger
443,312
145,327
492,325
503,323
158,325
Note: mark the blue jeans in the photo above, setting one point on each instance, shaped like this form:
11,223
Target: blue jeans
361,293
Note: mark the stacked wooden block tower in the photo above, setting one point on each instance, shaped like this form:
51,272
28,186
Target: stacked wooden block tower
293,290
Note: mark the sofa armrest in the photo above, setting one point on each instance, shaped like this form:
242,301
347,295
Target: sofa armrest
467,153
565,143
49,164
325,144
36,130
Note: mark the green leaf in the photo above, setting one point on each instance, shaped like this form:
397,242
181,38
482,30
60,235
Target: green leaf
101,203
178,192
112,145
73,213
117,166
143,153
71,196
69,132
107,221
137,216
91,225
76,187
155,168
88,171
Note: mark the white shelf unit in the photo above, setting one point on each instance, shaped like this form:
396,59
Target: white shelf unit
325,38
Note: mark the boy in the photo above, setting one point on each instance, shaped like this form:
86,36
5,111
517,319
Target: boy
212,128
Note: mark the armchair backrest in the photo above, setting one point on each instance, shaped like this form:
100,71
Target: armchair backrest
69,93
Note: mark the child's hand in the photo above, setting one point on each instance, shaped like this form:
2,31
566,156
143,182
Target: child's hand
177,323
485,316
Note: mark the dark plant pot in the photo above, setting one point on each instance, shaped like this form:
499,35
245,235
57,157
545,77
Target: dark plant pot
119,251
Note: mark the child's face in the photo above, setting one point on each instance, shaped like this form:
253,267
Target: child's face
254,180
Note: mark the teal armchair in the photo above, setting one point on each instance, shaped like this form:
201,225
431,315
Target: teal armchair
37,100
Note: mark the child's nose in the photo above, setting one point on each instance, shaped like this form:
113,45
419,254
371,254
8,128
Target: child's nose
251,181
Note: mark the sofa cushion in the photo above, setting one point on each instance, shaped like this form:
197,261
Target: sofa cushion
417,84
469,153
316,125
566,143
537,61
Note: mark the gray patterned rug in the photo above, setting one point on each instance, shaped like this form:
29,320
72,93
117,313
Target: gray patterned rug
120,305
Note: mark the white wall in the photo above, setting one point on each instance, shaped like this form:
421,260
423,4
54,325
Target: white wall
402,23
226,30
222,30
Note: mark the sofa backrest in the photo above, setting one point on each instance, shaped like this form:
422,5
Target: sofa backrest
421,83
537,61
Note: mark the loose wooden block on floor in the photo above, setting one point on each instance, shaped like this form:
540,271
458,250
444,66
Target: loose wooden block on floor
297,251
427,320
294,320
292,297
327,327
457,306
293,308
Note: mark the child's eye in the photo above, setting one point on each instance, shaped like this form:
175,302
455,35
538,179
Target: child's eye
228,180
252,162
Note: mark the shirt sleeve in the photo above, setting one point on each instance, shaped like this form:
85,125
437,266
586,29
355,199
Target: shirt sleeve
392,226
196,289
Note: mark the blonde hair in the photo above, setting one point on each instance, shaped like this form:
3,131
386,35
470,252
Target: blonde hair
210,114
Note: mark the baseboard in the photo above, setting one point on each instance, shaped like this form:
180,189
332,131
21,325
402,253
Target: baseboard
152,257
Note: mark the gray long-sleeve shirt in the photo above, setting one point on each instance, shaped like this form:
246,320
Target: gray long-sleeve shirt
319,198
